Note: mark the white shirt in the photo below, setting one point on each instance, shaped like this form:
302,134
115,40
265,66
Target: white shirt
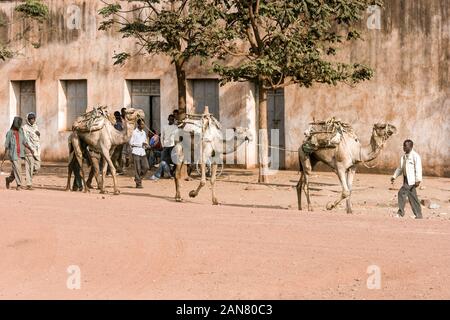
168,135
412,165
137,140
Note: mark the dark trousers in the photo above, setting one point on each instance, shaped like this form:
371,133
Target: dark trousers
166,155
140,168
410,192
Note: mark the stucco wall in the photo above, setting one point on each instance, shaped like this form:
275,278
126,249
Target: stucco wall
67,54
410,55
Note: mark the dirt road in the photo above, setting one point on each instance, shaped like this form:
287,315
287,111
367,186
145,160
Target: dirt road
255,245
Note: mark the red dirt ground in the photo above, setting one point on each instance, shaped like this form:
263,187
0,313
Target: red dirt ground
255,245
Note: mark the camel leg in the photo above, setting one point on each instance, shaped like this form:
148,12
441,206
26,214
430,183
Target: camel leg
79,157
94,173
107,158
341,172
69,171
299,191
194,193
306,186
213,183
103,177
307,169
350,175
178,171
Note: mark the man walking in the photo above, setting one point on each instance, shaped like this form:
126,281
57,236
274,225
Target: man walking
138,145
32,161
15,146
168,139
411,169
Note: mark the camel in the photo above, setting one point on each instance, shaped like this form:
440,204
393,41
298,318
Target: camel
212,146
103,141
342,160
91,157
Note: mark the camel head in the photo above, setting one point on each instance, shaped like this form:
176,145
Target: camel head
131,114
242,134
383,131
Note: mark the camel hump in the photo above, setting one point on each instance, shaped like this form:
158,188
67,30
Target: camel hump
92,120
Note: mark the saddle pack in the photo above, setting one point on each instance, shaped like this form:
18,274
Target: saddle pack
92,121
325,134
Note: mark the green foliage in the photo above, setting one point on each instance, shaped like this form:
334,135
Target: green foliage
33,9
30,10
5,53
172,27
281,42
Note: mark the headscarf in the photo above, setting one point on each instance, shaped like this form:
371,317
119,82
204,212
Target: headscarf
32,137
31,115
17,123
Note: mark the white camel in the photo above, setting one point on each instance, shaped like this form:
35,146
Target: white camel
212,146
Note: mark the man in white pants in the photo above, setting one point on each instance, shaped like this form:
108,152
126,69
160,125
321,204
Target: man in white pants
411,169
32,161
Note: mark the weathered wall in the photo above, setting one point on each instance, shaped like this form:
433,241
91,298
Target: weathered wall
410,56
67,54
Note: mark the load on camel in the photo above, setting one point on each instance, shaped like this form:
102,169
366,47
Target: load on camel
212,146
334,143
95,129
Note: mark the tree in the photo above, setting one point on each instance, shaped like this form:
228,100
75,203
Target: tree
172,27
30,10
280,43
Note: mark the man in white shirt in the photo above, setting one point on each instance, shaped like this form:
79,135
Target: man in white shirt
411,169
138,144
168,134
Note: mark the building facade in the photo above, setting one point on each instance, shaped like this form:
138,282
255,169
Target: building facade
406,43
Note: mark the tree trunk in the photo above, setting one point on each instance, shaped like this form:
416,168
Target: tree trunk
263,148
181,80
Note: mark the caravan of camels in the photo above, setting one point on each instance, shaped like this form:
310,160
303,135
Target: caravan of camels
331,142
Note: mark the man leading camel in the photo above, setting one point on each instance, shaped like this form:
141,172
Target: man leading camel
411,169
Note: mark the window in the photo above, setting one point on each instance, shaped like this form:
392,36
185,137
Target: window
25,97
275,121
145,95
75,92
206,93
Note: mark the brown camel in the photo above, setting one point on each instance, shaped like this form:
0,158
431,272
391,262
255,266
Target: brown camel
93,160
103,141
342,160
212,146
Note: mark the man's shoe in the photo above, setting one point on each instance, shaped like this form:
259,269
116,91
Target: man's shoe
153,178
7,182
139,186
19,188
30,188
